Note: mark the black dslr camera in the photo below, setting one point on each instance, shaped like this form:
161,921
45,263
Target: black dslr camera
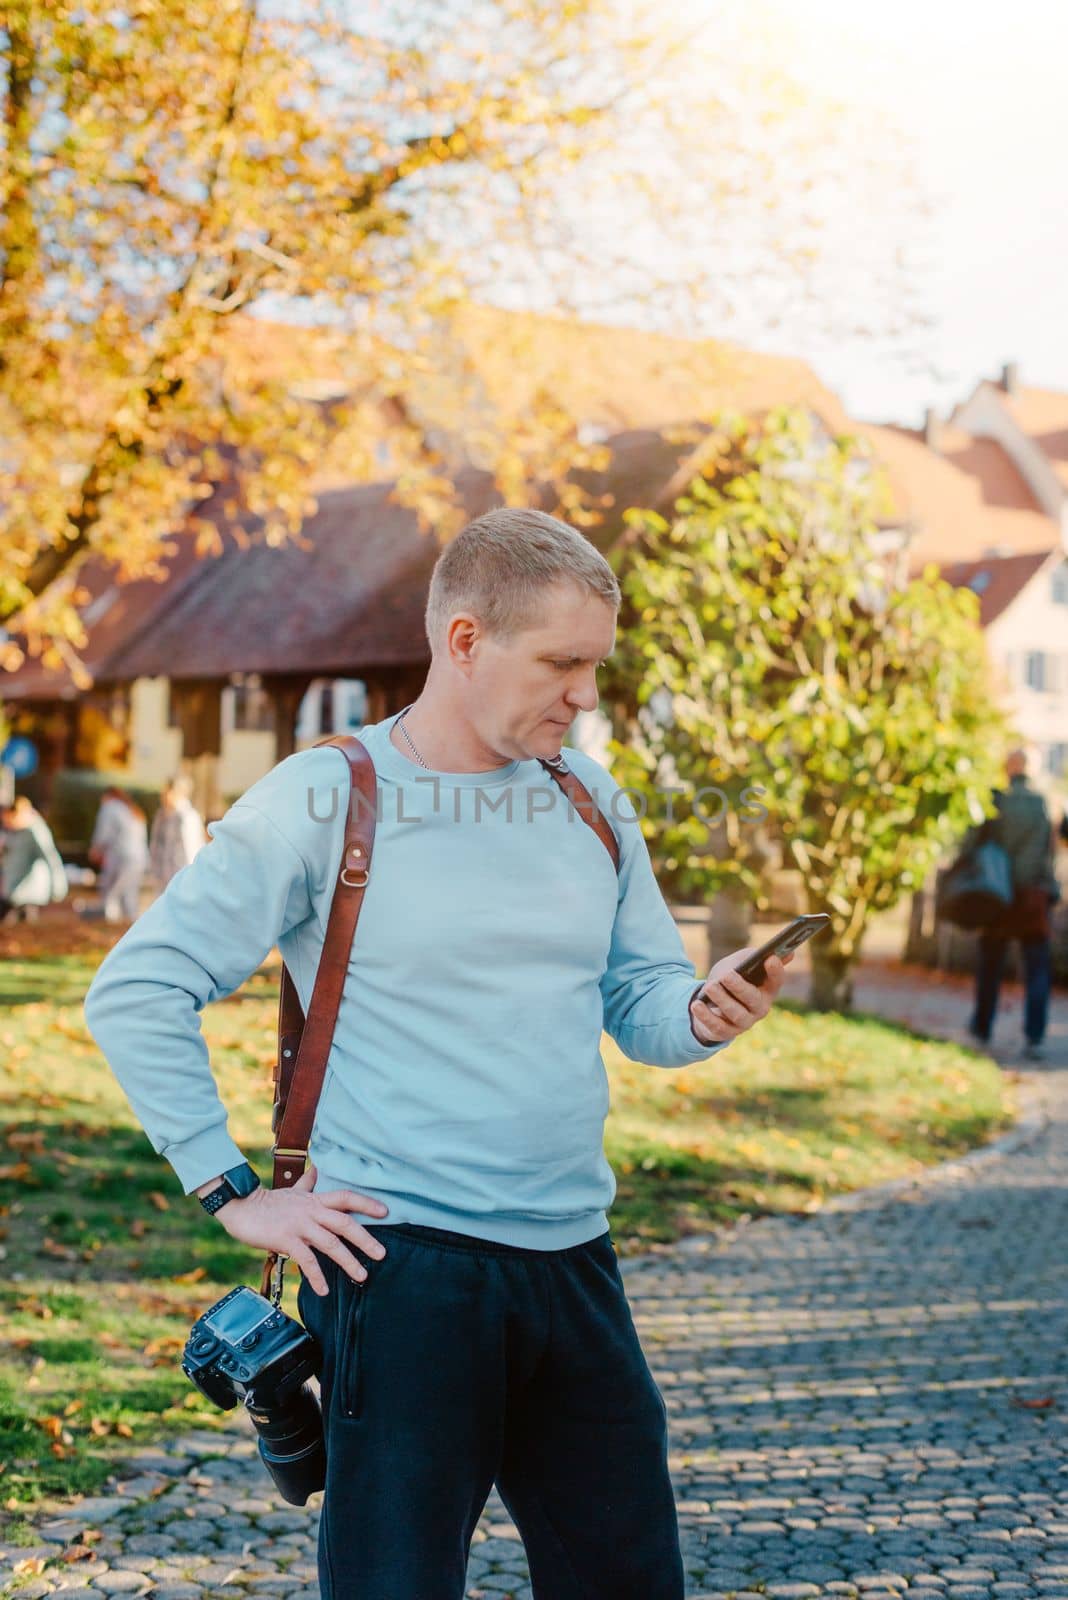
247,1349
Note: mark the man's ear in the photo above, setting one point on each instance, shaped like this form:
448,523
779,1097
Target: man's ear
461,640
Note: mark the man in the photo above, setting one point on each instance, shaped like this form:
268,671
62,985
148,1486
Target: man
1022,827
476,1330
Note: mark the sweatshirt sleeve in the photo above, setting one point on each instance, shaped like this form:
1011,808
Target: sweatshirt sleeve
649,981
210,929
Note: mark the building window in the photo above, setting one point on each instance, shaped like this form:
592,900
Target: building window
332,705
1059,587
354,701
1057,759
1035,672
326,708
253,711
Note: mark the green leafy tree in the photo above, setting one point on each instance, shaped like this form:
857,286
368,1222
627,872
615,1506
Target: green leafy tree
771,648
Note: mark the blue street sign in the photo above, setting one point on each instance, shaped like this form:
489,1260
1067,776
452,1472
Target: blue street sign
20,754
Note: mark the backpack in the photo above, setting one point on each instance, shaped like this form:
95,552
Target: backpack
977,890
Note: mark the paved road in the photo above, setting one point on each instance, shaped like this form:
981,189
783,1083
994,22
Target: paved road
870,1400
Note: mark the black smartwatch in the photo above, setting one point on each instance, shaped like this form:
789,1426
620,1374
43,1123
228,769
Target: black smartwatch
236,1184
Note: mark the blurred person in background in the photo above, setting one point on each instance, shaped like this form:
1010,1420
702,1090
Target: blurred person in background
1023,829
119,849
31,872
177,832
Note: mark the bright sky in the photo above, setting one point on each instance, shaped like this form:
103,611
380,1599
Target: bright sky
973,94
981,90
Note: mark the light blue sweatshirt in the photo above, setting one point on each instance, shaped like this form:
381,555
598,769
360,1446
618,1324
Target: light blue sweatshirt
465,1087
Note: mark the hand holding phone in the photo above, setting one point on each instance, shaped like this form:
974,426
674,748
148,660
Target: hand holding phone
782,943
723,1013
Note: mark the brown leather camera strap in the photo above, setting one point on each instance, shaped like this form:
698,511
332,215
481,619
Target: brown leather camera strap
304,1043
583,802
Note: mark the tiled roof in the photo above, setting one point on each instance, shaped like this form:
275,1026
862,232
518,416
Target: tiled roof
626,378
349,595
1043,416
113,615
345,599
961,499
487,363
997,581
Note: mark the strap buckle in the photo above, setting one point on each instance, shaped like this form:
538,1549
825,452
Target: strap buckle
275,1279
353,877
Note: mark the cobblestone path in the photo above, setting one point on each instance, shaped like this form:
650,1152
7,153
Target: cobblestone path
867,1401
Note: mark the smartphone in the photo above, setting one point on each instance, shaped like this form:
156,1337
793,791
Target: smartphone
780,944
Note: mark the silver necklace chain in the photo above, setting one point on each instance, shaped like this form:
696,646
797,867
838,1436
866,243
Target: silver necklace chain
553,761
407,736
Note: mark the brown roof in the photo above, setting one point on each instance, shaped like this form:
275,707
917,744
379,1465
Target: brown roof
112,614
960,500
621,377
348,597
996,581
643,465
485,363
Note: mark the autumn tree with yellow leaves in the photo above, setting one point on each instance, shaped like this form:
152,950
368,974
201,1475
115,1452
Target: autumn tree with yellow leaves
172,169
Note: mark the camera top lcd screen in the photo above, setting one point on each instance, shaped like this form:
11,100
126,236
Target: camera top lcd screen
230,1320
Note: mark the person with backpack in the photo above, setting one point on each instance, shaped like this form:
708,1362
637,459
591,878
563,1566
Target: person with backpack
1023,829
458,1269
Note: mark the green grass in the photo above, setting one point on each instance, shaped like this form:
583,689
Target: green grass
804,1107
107,1263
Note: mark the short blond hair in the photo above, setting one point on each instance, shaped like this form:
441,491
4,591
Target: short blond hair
499,566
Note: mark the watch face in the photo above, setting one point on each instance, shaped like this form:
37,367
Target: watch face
242,1180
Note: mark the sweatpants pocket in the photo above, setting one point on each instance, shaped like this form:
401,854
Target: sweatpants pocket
351,1314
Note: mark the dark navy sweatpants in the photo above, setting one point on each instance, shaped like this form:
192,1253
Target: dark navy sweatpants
460,1363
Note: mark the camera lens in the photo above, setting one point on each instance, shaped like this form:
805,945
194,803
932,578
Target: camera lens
291,1443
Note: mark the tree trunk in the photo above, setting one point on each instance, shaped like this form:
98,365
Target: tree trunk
832,977
730,918
919,941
